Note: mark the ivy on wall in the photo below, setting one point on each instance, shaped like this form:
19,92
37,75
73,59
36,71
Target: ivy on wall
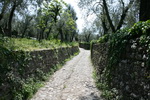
138,37
20,77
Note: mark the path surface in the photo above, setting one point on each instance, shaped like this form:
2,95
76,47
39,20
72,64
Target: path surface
73,82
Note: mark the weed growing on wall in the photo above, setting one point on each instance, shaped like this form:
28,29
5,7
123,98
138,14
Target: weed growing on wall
138,35
15,81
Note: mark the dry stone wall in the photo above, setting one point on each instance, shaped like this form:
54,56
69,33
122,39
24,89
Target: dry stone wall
131,76
31,65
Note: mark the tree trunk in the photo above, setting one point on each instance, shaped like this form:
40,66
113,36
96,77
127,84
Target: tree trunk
24,31
66,37
104,27
48,33
73,35
108,16
10,19
87,37
42,34
43,30
61,35
27,23
1,31
144,10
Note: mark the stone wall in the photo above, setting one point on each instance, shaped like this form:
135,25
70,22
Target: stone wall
35,65
99,53
46,59
131,76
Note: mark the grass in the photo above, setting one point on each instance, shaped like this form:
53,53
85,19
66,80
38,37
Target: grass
30,44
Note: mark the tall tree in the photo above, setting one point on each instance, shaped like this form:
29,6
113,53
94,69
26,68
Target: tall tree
144,10
106,7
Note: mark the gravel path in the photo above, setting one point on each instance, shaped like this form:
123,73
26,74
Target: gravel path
73,82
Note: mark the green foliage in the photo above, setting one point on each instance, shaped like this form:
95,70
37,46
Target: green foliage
121,38
7,65
140,28
13,65
117,45
103,38
88,43
30,45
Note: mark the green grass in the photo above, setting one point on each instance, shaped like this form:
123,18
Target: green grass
30,44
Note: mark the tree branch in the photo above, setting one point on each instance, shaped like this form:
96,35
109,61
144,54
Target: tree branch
124,13
108,16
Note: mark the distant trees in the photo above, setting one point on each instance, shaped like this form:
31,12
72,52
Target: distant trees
67,24
41,19
87,35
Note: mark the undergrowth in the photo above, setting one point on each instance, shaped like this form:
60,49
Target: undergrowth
30,44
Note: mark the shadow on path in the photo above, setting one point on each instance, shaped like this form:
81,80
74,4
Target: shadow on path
90,97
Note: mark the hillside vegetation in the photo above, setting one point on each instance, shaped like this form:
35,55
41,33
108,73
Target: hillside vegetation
31,44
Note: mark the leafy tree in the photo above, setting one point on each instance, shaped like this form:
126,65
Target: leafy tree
49,16
87,35
66,27
42,19
106,10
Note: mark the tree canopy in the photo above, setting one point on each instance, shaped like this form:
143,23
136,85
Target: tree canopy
41,19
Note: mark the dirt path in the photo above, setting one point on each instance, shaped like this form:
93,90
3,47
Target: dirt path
73,82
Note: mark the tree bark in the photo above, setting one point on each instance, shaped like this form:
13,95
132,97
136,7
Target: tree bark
108,16
73,35
48,33
61,35
10,19
104,26
144,10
